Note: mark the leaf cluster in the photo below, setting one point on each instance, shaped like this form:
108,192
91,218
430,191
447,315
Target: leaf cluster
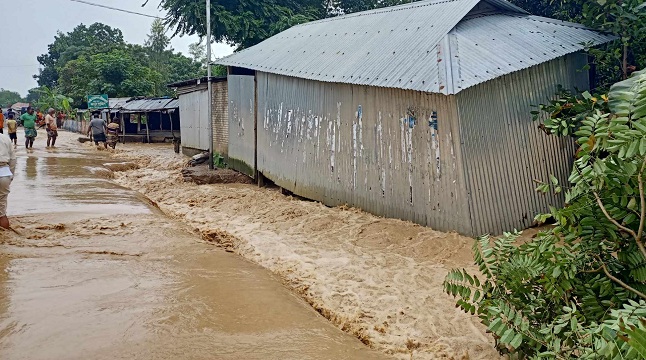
577,290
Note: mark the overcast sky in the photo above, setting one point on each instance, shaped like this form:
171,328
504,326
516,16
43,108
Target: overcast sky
28,26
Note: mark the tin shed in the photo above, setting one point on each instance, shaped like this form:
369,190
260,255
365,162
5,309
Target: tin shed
419,112
193,108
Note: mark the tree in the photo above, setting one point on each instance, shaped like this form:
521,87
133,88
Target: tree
9,97
157,40
67,47
117,73
52,99
239,23
197,51
33,95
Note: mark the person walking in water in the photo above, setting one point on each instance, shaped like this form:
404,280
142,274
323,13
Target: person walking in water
51,126
113,133
12,129
7,169
97,129
28,120
1,121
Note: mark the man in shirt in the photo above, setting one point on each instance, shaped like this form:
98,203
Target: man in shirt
12,129
29,123
7,169
97,129
1,121
52,128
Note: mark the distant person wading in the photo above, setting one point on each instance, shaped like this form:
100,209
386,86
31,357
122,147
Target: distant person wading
97,129
113,133
52,128
1,122
28,120
12,129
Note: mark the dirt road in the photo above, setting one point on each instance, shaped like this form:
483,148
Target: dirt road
377,279
96,272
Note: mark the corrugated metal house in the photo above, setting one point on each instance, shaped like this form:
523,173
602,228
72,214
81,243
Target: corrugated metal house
419,112
193,108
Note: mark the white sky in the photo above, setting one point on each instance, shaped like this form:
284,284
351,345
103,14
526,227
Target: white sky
28,26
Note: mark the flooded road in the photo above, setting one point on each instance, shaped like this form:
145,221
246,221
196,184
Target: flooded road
95,272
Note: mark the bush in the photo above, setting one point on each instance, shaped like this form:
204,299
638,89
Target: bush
578,290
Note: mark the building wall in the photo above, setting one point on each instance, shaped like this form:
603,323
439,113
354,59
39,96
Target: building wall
503,149
220,118
194,122
242,124
394,153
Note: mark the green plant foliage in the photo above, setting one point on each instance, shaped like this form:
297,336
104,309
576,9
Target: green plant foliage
8,97
51,98
240,23
566,111
578,290
96,60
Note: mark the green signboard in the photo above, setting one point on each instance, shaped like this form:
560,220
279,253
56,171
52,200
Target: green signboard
97,102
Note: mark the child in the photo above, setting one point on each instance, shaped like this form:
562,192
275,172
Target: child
12,129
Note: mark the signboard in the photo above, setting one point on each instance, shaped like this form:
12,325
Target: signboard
97,102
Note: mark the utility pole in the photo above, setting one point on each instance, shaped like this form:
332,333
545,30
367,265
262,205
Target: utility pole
208,81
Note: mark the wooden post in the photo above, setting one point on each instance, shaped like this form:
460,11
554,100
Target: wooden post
147,129
170,117
123,126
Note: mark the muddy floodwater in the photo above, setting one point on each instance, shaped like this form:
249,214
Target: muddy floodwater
95,271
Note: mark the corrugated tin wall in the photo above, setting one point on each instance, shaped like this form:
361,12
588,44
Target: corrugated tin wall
503,149
242,132
390,152
194,119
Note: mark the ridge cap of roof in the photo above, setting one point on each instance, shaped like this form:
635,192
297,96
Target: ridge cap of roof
387,9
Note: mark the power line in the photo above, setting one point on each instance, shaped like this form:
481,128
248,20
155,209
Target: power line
115,9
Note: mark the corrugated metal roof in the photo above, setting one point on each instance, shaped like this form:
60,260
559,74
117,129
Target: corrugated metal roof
145,105
117,102
408,46
493,45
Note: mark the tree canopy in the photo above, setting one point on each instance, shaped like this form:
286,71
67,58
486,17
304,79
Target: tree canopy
9,97
96,60
247,22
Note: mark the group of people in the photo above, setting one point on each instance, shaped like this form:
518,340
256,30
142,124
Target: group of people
108,134
31,123
98,130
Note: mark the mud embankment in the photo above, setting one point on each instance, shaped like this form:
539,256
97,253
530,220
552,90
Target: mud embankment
379,279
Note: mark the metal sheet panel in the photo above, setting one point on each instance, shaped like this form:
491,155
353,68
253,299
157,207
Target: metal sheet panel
117,103
503,149
391,47
492,45
194,120
145,105
242,124
374,148
410,46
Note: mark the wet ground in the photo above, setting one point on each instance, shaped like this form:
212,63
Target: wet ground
96,272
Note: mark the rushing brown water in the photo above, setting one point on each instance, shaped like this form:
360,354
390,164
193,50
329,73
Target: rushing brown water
95,272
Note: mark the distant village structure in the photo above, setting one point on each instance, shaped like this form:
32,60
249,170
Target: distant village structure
140,119
419,112
194,101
